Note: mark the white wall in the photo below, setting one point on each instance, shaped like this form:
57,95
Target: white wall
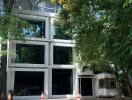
104,91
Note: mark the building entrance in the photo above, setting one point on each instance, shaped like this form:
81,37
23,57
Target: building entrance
62,81
85,86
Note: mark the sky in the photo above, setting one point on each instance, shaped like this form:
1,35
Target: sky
1,8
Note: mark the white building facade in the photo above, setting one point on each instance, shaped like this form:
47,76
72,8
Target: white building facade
45,61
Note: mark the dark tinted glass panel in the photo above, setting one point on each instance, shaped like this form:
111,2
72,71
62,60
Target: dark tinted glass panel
37,29
63,55
33,54
85,86
28,83
113,84
62,81
108,83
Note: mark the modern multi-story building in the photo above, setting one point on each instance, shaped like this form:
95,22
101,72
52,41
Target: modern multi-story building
45,61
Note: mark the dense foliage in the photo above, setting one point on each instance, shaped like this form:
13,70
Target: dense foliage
10,26
102,30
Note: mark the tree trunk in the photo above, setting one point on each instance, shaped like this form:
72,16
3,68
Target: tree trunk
129,88
129,85
3,75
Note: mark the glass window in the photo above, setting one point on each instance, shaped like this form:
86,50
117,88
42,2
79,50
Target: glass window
58,32
44,7
37,29
102,83
108,83
28,83
23,4
26,53
113,83
62,55
85,86
62,81
47,7
40,5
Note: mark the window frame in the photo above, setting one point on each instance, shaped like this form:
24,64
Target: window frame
24,80
60,45
12,47
72,87
35,52
52,32
106,83
11,80
37,18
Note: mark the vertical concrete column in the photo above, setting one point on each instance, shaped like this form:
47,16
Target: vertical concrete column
51,53
75,73
52,29
47,29
10,80
8,53
75,82
46,84
46,52
50,82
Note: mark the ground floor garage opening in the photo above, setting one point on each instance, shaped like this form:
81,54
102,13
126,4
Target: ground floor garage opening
62,81
28,83
85,86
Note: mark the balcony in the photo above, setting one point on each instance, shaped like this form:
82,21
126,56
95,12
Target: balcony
39,7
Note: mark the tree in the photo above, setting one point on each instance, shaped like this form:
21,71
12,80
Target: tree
102,30
10,27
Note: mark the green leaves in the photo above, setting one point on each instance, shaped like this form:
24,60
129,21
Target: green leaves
101,30
11,26
127,3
